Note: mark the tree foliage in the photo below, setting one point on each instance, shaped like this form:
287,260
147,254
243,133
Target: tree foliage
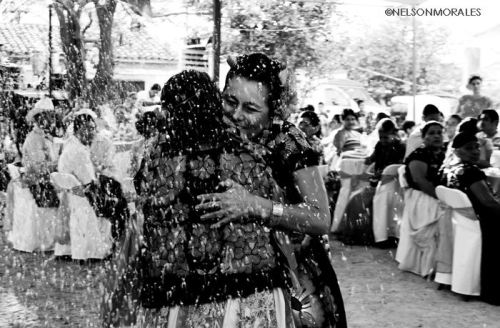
69,14
142,6
388,50
288,30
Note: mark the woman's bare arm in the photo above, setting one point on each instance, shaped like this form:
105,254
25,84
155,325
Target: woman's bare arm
484,196
311,216
418,170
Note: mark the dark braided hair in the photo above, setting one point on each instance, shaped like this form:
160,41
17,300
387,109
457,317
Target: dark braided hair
314,119
192,106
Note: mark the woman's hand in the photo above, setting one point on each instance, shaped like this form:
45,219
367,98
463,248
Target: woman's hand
235,204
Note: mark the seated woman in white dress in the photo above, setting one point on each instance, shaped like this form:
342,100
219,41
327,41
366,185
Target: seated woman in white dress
33,201
418,236
90,235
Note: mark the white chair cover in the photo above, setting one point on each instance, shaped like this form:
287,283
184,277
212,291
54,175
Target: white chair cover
419,232
14,171
352,179
402,178
495,158
466,267
388,205
90,236
29,227
323,170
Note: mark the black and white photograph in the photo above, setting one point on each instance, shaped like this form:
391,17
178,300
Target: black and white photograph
249,163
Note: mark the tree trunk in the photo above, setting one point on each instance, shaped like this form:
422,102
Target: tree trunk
102,84
72,46
144,6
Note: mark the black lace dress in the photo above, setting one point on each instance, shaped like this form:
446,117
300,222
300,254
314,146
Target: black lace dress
289,152
461,176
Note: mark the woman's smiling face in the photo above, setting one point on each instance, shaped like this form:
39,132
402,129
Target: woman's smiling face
245,105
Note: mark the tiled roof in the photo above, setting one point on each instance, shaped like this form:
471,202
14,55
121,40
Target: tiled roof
129,44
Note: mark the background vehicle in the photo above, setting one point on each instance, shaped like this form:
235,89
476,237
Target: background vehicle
338,94
402,106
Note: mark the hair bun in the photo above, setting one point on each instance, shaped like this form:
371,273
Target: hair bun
232,61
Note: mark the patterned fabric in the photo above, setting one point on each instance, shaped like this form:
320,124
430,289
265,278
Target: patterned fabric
108,201
262,309
429,157
316,299
317,146
461,176
288,151
179,247
472,106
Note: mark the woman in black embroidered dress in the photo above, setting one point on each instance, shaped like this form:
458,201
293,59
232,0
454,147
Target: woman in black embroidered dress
466,176
254,99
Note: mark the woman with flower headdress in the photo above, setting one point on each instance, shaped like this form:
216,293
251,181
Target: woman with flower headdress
255,99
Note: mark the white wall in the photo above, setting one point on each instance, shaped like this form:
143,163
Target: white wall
149,73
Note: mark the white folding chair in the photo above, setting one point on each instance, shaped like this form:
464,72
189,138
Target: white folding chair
387,205
466,267
323,170
392,169
349,169
420,217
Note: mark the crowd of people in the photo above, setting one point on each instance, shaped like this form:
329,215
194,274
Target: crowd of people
457,152
231,201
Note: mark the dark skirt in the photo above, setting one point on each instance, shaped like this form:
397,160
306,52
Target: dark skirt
490,264
315,268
